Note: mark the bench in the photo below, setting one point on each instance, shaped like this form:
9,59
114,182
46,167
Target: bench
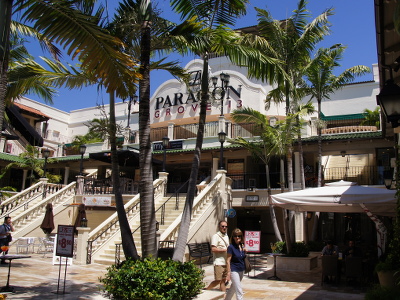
200,250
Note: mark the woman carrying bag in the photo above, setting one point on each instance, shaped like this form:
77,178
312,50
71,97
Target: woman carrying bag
235,264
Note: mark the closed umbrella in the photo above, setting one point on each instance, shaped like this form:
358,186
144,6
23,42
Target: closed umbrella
80,216
48,222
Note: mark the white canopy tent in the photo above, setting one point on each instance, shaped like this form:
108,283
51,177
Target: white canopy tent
343,197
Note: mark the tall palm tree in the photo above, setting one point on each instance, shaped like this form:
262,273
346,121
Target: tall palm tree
322,82
292,42
215,15
60,21
261,148
138,24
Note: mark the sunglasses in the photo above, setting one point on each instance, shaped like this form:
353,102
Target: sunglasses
224,226
237,236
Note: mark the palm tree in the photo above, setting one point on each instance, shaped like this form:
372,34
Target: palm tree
322,82
372,117
215,15
292,42
261,148
60,21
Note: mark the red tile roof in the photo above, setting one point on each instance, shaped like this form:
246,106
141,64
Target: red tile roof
31,110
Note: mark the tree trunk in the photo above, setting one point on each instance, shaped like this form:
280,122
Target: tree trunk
5,23
128,244
147,208
272,208
187,211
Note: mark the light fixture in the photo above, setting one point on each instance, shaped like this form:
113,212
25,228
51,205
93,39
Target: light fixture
309,215
84,222
221,138
82,150
220,90
46,154
133,99
165,143
343,153
389,101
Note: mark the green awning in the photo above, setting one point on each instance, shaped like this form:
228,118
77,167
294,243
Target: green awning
342,117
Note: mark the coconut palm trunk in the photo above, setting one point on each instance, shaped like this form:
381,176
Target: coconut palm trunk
147,208
191,192
5,23
128,244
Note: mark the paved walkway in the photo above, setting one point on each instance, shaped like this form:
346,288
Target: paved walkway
37,278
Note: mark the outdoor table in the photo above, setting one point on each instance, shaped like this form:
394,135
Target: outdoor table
274,255
10,257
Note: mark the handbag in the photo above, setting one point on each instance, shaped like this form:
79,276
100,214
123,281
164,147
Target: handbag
247,265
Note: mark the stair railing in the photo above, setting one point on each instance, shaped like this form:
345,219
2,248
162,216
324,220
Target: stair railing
111,225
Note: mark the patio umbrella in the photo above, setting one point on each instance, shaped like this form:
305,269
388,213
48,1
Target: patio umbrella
80,216
48,222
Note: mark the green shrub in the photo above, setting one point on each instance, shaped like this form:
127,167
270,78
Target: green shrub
299,249
381,292
153,279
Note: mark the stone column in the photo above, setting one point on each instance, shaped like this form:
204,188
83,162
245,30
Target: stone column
222,206
164,176
215,163
66,175
2,143
24,176
79,184
81,245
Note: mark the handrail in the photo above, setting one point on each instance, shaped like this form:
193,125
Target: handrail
40,208
205,196
111,224
39,189
162,208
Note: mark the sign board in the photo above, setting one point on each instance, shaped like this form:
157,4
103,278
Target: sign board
97,201
231,213
65,241
252,241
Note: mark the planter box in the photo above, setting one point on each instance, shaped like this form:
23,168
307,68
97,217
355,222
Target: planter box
299,264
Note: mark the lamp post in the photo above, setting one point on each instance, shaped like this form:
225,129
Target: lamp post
165,143
83,222
219,92
82,150
46,154
221,137
389,101
133,99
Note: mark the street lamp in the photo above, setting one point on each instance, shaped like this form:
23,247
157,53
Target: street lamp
389,101
82,150
218,92
221,137
46,154
165,143
83,222
133,99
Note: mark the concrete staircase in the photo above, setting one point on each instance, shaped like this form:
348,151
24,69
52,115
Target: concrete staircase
349,167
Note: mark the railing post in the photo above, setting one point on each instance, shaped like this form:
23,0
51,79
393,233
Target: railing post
79,184
164,177
44,187
223,194
81,245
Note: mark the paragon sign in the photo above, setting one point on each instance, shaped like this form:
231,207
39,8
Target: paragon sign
179,102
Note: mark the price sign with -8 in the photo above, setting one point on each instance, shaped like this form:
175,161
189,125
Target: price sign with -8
65,241
252,241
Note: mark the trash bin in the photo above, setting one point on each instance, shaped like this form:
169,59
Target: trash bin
165,253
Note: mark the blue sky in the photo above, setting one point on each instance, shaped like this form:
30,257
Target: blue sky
353,25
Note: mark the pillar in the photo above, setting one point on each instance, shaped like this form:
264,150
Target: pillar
81,245
24,176
222,206
66,175
79,184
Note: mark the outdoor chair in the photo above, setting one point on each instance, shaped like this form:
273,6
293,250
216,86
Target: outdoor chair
23,245
353,268
329,268
46,246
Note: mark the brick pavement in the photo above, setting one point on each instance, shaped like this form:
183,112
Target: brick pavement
37,278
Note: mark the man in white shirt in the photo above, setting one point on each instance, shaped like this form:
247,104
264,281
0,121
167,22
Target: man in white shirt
219,246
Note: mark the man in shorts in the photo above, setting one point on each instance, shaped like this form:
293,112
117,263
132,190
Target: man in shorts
219,246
